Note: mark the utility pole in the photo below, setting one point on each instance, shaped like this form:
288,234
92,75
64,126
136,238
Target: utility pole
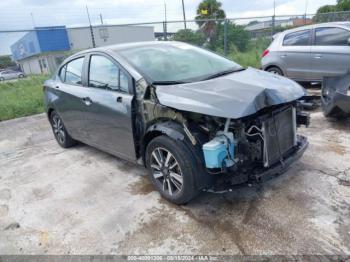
184,14
273,17
91,30
306,4
165,33
101,19
33,21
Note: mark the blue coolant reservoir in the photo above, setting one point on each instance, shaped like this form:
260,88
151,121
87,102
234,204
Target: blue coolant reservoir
216,152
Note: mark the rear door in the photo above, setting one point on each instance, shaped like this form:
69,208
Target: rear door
108,107
330,54
69,93
295,54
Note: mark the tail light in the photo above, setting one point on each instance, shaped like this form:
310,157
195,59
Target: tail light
265,53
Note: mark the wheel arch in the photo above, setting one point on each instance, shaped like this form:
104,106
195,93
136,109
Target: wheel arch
175,131
169,128
49,111
274,65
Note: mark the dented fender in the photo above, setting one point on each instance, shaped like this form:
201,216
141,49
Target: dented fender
177,132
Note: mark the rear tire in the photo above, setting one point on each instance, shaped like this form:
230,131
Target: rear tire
171,169
275,70
61,135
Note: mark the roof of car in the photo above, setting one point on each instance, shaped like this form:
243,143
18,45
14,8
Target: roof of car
340,24
118,47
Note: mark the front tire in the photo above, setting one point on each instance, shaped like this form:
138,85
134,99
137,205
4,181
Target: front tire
275,70
171,169
61,135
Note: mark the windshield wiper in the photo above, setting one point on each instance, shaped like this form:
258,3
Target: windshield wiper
168,82
222,73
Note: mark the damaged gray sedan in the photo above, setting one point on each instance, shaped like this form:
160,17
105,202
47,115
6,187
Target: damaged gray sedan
196,120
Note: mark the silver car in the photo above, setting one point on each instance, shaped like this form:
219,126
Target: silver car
311,52
10,74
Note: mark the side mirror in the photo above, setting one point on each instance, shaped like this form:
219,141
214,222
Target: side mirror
349,41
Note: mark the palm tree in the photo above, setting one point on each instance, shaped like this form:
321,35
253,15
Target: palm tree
209,9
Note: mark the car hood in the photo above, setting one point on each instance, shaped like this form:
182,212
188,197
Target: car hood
233,96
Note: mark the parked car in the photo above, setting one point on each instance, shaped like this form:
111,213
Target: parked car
310,53
196,120
10,74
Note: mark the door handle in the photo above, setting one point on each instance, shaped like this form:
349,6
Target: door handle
318,56
283,56
119,99
87,101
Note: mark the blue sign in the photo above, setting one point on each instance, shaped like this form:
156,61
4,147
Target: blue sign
43,39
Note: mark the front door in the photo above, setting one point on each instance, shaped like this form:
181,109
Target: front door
330,54
108,107
295,55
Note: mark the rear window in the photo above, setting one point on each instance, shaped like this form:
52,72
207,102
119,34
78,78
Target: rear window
299,38
332,36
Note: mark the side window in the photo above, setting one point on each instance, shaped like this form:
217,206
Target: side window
299,38
124,81
103,73
74,69
331,36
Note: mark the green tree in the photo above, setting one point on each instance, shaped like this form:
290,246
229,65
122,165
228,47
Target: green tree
190,36
237,37
324,13
209,9
343,5
5,61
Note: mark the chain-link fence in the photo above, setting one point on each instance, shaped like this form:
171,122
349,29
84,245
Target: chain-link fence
40,50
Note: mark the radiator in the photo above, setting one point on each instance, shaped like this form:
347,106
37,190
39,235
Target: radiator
279,132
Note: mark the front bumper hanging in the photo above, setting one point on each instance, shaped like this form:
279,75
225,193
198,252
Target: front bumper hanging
258,175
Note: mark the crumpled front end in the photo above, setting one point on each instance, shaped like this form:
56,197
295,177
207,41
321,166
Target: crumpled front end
255,147
242,127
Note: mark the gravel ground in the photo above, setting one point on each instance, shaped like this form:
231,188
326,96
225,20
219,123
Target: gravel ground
83,201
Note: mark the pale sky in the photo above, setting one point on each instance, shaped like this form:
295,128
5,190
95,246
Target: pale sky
16,14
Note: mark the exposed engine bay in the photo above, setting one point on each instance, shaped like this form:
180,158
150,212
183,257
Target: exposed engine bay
233,151
257,141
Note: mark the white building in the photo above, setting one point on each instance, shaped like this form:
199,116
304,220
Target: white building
43,49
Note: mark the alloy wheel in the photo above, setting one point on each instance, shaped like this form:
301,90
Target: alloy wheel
166,171
58,128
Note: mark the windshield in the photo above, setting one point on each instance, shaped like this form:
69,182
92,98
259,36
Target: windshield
177,62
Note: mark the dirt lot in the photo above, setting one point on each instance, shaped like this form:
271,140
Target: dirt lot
83,201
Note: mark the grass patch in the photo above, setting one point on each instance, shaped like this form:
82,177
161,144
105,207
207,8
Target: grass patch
22,98
252,57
